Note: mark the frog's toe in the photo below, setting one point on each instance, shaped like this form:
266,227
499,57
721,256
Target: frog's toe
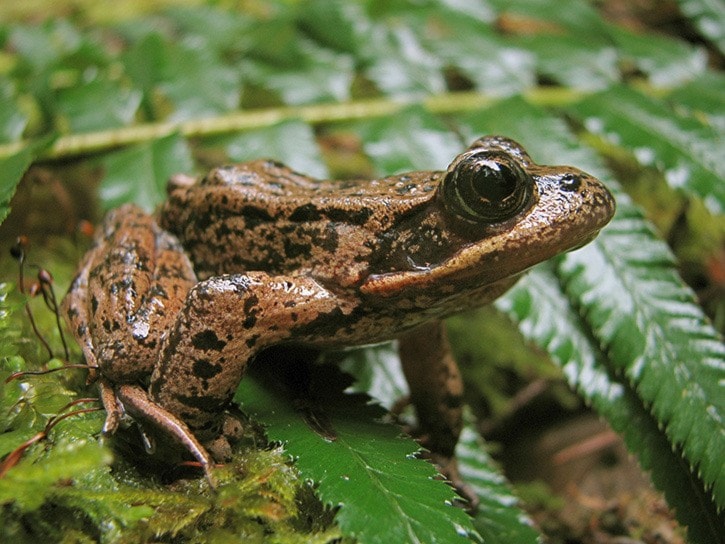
233,426
220,449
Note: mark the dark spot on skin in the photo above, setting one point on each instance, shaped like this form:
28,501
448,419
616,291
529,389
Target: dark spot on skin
81,330
346,215
223,230
306,212
254,216
205,370
94,304
252,341
289,303
293,250
206,404
249,322
207,340
570,183
107,325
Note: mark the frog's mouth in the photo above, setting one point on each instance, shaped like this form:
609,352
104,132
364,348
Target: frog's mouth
584,242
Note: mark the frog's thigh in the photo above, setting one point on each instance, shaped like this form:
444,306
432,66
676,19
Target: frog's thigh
436,387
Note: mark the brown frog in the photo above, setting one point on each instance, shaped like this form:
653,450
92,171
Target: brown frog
255,255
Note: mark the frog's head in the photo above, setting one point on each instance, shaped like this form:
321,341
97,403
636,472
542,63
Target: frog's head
496,213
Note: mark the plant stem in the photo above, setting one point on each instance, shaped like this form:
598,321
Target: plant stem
81,144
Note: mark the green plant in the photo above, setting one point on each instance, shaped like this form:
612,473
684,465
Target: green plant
411,82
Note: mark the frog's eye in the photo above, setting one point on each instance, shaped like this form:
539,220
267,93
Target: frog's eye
486,187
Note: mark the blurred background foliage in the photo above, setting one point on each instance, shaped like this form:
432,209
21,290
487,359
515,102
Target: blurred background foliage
101,102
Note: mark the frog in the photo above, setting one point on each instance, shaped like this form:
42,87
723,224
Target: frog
170,309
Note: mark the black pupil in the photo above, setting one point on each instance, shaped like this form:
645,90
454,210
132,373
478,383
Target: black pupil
492,180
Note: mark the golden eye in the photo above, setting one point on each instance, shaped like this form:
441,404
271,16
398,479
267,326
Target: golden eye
486,187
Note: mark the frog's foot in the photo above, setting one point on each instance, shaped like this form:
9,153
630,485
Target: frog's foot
448,467
232,430
139,405
114,412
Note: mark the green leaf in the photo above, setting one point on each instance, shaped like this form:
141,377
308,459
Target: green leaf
139,174
368,470
688,153
576,17
28,484
551,319
193,80
666,61
709,18
197,84
498,519
573,62
293,140
703,97
12,121
655,335
97,105
12,168
503,71
398,63
412,140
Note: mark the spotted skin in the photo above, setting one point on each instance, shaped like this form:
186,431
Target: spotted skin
283,259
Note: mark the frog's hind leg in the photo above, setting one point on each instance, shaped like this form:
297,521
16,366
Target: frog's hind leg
137,403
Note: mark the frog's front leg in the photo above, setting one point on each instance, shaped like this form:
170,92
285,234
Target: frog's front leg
225,322
436,392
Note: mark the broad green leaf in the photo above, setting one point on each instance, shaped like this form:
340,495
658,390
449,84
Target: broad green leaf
572,61
225,32
319,75
195,82
292,141
412,140
664,60
703,97
12,168
655,335
459,40
139,174
338,24
12,121
547,316
97,105
398,63
369,471
576,17
40,46
498,518
688,152
709,18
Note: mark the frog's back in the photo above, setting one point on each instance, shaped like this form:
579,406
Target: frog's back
262,215
282,192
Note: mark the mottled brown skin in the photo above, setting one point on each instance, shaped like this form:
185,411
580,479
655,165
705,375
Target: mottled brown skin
289,260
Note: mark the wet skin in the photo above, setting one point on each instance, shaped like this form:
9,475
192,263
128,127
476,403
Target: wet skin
254,255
